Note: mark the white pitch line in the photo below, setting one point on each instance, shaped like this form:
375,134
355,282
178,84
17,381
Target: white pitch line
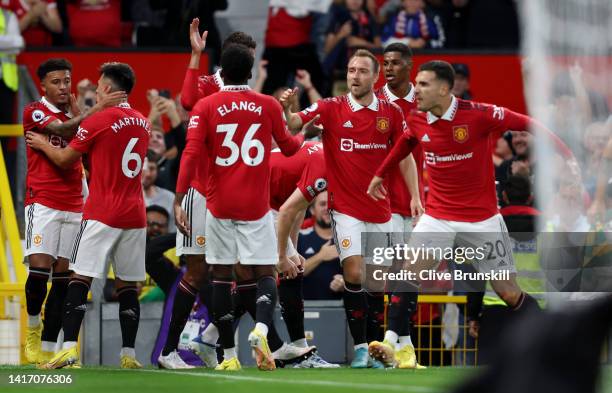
353,385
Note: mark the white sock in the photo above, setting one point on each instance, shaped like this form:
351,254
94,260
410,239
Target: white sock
210,335
229,353
301,343
48,346
391,337
275,353
33,320
69,344
364,345
262,327
405,340
128,352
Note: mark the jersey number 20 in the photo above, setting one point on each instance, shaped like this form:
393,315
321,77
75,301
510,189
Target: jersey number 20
242,151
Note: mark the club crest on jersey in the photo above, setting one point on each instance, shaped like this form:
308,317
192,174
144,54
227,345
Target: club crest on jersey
382,124
37,240
346,242
201,240
460,134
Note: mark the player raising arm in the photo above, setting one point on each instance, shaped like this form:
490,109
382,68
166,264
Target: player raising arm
462,203
233,130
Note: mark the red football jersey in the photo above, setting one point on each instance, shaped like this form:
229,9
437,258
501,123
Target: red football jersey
356,139
196,87
305,171
398,189
116,140
46,183
285,31
236,127
458,155
36,34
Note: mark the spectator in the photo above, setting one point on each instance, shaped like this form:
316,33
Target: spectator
159,267
571,109
86,95
38,19
288,46
167,169
322,271
11,43
302,77
413,27
596,137
461,88
351,27
158,220
163,106
154,195
167,146
95,22
518,213
503,149
567,212
520,164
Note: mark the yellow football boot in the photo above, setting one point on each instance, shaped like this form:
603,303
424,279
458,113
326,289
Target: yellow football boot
231,364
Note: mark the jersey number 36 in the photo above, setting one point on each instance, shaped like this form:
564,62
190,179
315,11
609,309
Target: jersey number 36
242,151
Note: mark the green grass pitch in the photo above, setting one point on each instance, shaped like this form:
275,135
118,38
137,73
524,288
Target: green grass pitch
344,380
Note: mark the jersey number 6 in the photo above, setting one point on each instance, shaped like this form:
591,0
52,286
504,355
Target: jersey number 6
129,155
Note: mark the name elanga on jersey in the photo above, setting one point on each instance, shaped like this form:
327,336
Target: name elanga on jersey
239,106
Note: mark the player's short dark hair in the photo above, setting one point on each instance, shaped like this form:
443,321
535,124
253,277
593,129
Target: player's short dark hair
403,49
121,74
50,65
443,70
160,210
368,54
236,63
518,190
239,38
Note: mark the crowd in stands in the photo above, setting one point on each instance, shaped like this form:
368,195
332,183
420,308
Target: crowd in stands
331,27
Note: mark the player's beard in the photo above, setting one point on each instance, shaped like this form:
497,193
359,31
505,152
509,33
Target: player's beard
360,94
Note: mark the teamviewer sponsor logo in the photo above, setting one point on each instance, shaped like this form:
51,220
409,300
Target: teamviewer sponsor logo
432,158
346,144
350,145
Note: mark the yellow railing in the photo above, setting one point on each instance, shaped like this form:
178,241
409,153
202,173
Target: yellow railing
8,225
429,338
13,308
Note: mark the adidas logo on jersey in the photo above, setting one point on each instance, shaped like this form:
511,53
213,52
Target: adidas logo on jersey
348,124
425,138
